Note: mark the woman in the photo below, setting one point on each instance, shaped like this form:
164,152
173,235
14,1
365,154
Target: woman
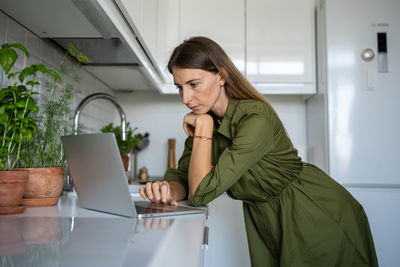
295,215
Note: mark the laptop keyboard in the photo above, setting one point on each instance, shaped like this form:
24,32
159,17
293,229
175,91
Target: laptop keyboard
144,207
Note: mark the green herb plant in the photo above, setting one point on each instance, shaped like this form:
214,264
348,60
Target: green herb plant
132,140
17,107
54,117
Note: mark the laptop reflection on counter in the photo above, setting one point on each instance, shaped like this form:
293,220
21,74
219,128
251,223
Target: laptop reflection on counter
98,242
100,182
115,241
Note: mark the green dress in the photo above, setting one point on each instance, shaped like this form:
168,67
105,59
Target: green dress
295,214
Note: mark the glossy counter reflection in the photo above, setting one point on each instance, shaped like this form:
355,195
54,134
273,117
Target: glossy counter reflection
68,235
113,242
70,241
33,241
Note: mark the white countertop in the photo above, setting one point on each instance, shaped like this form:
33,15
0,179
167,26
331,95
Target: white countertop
68,235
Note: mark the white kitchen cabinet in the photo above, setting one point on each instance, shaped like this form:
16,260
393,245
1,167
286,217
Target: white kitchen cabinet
149,24
272,42
222,21
142,16
168,36
280,45
227,239
164,24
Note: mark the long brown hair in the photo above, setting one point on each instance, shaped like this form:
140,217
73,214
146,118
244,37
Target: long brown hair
203,53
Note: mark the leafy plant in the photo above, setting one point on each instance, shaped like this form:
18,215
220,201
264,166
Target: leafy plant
17,105
131,140
54,117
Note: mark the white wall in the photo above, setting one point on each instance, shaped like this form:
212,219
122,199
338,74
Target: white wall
162,115
96,114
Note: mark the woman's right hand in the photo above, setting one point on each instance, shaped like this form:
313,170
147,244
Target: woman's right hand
191,121
158,192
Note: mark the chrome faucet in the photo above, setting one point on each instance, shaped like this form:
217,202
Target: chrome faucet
68,185
91,97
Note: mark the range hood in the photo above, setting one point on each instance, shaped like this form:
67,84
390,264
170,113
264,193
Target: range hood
99,30
101,52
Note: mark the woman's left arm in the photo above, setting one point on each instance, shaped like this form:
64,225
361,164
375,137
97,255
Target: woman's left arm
253,138
199,126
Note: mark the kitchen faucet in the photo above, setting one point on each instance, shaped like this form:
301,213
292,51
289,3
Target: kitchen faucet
91,97
68,185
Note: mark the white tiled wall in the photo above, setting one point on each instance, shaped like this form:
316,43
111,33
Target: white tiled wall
97,113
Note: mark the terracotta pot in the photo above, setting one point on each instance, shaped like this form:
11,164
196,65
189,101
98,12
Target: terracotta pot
125,162
44,186
12,187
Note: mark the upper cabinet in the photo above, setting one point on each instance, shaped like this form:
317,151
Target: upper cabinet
143,18
222,21
271,42
164,24
280,45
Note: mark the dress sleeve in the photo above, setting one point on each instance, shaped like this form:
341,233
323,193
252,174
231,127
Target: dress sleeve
181,173
253,138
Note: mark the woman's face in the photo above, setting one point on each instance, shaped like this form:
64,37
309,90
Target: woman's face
200,90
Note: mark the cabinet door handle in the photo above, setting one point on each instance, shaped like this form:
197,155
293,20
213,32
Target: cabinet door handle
205,239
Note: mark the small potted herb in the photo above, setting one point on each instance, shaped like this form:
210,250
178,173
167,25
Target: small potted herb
44,156
125,147
17,125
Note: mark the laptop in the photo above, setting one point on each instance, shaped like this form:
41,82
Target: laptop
100,181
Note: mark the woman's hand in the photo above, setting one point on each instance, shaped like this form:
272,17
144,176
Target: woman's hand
158,192
191,121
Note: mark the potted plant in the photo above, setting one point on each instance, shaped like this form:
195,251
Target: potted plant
17,126
44,156
127,146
